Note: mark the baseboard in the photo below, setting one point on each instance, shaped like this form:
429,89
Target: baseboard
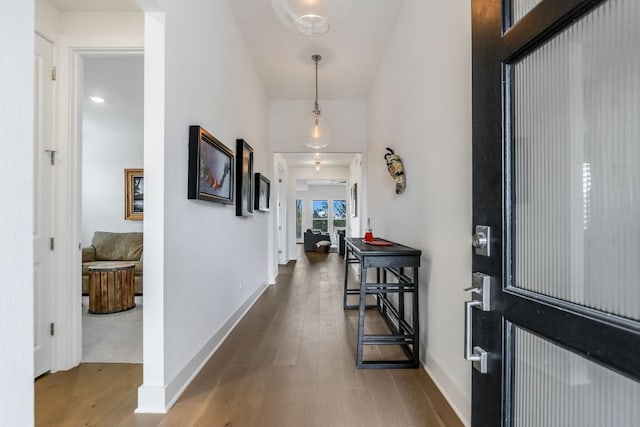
454,396
137,299
86,294
172,391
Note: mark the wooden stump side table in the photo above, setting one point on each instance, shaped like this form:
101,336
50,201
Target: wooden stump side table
111,288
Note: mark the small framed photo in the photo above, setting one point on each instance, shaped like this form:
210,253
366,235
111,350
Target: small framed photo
244,178
262,192
211,168
354,200
134,194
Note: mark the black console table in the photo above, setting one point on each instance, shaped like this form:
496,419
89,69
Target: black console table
389,261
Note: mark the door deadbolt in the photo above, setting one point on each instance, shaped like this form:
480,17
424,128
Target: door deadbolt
481,240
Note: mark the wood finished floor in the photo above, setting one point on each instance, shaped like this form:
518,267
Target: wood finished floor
289,362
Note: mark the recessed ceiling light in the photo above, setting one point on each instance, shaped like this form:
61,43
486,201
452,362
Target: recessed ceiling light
97,99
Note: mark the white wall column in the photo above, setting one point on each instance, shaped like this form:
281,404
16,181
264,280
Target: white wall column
16,216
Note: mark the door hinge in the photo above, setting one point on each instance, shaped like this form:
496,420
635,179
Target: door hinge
52,329
52,154
53,73
51,243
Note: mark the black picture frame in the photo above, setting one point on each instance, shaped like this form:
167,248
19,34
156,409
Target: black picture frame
211,168
354,200
244,178
262,190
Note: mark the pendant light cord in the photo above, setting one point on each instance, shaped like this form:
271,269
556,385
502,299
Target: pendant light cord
316,109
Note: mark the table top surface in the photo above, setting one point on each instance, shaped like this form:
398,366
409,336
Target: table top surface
112,266
359,245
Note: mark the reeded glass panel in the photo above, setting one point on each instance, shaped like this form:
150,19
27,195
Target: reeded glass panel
519,8
554,387
576,118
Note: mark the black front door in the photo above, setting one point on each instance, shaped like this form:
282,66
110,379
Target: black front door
555,323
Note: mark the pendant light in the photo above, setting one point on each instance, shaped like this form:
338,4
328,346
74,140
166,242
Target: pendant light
316,128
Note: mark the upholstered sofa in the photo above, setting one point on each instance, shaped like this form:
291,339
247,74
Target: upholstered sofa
311,237
109,247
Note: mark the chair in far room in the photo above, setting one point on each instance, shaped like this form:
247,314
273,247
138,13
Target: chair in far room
312,237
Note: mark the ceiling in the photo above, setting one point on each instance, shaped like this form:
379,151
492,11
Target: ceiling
327,160
119,80
95,5
351,51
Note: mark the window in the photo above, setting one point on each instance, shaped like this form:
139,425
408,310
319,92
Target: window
339,214
320,215
298,219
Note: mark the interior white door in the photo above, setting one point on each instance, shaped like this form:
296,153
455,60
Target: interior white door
281,217
43,244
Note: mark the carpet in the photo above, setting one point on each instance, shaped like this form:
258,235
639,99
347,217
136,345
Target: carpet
112,338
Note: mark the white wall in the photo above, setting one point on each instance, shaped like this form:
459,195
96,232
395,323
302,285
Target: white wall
420,106
16,215
303,173
214,263
112,140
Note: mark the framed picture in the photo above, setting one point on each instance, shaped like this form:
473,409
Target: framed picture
354,200
262,192
211,168
244,178
134,194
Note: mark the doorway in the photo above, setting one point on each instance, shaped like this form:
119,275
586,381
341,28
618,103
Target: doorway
323,179
111,110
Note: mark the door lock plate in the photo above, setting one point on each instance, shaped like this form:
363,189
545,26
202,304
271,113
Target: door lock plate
481,240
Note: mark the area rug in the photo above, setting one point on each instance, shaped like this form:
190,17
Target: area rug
112,338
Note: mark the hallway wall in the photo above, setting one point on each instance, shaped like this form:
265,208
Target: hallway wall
16,224
420,106
209,263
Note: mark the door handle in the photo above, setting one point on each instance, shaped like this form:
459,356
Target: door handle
481,299
475,354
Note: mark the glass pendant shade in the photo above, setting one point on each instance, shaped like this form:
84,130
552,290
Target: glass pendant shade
317,131
310,17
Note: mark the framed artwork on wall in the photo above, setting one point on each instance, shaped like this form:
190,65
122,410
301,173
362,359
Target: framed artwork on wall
262,189
211,168
134,194
244,178
354,200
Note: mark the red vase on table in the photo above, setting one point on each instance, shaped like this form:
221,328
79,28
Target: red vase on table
368,232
